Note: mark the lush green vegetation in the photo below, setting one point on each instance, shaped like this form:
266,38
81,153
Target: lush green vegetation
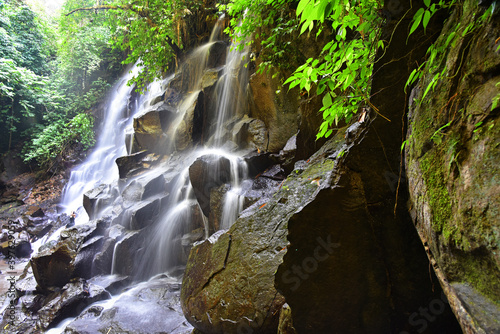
51,73
342,71
53,70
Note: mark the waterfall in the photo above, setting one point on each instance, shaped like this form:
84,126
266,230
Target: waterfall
99,167
167,219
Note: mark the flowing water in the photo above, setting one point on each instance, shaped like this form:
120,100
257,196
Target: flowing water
177,215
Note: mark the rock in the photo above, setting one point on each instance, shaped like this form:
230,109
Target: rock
251,133
54,268
155,310
23,249
217,55
132,193
228,284
54,265
111,283
156,186
84,260
216,206
207,172
126,251
98,198
38,213
189,129
257,162
146,214
277,111
18,248
128,164
103,259
452,169
209,78
148,132
69,302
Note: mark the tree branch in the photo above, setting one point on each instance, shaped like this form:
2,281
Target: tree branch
101,7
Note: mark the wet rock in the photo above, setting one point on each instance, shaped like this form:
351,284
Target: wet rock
251,133
277,111
148,132
156,186
150,307
207,172
288,153
54,265
103,259
146,214
130,163
209,78
84,260
257,162
38,213
40,230
23,249
97,198
132,193
112,283
126,251
217,56
53,268
188,131
26,283
69,302
216,206
16,247
452,168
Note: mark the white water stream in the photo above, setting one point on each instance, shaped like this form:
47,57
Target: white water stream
180,208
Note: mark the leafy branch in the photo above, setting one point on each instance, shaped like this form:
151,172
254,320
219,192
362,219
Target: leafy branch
140,11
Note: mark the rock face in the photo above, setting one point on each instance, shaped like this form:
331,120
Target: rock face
54,266
452,169
229,282
206,173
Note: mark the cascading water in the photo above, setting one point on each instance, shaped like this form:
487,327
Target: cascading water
156,215
99,167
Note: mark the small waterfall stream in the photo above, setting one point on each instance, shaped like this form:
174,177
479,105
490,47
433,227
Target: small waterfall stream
156,215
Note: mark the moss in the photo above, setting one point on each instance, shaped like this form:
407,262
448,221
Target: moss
438,195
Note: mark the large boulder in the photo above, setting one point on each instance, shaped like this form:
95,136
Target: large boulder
73,298
149,127
452,167
228,285
207,172
54,265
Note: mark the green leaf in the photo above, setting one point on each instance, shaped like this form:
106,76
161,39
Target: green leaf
427,17
427,3
327,100
302,4
416,20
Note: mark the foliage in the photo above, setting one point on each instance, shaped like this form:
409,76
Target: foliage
58,136
274,23
24,91
434,66
50,78
144,29
343,70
